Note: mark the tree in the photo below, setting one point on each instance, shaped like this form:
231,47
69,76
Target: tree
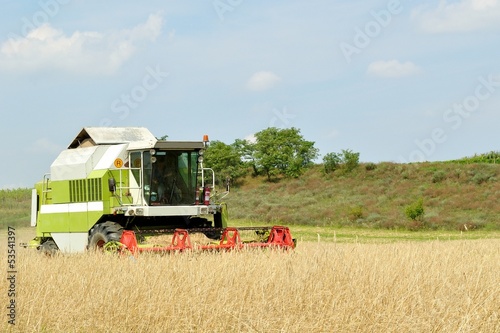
283,151
347,161
225,160
246,150
350,159
331,162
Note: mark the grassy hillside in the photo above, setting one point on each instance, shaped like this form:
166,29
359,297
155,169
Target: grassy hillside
15,207
455,195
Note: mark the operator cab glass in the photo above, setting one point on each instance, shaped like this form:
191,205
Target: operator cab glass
169,177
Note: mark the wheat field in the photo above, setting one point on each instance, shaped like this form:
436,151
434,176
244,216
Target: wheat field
437,286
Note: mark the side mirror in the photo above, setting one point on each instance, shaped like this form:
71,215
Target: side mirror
112,184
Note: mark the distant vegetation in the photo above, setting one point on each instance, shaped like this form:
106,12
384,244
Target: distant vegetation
491,157
346,161
15,207
274,180
451,195
274,153
418,196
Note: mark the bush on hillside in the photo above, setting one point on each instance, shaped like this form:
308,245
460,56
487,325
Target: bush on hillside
347,161
415,211
438,176
356,213
350,159
331,162
370,166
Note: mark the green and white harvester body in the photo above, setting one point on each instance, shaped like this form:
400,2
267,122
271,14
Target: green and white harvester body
112,179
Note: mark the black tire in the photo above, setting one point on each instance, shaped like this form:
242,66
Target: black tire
48,248
213,234
198,222
103,233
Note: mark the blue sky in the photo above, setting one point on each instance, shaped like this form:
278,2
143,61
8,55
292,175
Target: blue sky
399,81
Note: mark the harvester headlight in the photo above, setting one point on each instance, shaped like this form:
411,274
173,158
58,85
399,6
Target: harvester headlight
200,159
152,152
201,152
131,212
153,159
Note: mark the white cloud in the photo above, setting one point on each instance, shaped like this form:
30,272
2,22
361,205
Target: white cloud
483,4
44,145
393,68
251,138
333,134
263,80
461,16
46,48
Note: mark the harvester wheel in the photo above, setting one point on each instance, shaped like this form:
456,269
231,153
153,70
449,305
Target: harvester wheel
215,235
48,248
103,233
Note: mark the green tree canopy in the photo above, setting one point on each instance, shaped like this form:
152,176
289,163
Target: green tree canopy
347,160
225,160
283,151
246,150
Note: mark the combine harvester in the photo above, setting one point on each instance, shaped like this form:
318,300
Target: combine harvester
118,187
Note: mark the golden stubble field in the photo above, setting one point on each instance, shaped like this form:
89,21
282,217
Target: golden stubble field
434,286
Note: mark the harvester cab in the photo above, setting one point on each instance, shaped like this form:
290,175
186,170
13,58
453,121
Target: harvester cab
112,182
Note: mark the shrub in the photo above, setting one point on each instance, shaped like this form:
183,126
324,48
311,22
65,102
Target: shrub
347,160
355,213
370,166
415,211
482,173
482,177
331,162
350,159
438,176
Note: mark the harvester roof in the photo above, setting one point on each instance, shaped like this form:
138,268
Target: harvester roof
97,148
136,137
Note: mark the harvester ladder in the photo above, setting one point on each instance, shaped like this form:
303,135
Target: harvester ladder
122,190
45,188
